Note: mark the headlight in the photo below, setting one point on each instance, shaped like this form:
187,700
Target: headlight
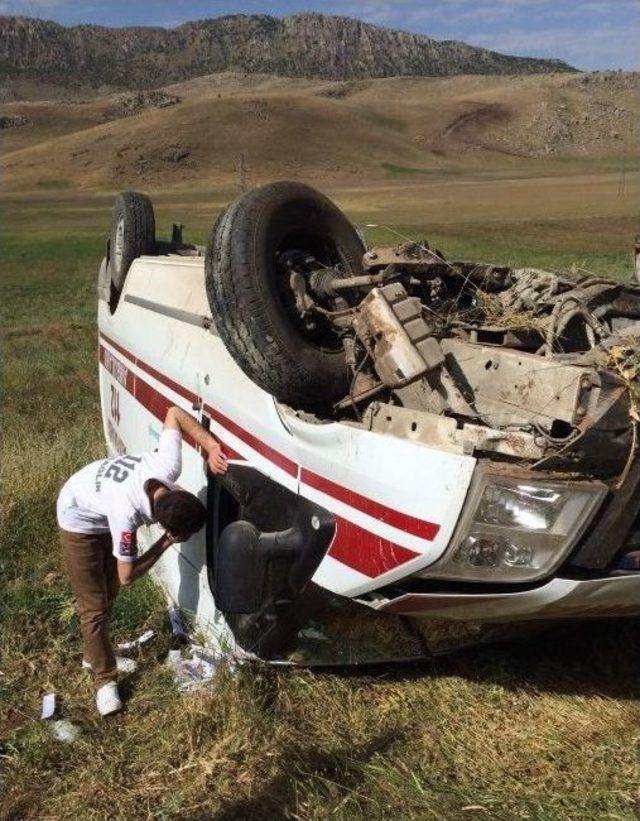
517,530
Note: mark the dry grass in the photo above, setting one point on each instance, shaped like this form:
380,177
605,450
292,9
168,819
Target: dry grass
382,131
547,729
496,315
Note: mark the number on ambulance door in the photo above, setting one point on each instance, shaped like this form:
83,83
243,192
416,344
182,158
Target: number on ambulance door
115,404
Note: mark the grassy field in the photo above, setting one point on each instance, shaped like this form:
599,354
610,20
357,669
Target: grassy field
548,729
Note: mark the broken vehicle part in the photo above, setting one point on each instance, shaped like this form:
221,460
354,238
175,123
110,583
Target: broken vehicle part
389,324
521,352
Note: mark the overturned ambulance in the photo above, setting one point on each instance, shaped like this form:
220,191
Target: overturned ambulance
416,444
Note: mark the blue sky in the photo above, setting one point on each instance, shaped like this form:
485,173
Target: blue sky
589,34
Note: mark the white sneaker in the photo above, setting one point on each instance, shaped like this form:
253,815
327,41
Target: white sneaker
123,665
108,699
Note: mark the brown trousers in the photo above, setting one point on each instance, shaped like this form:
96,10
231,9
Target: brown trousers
93,571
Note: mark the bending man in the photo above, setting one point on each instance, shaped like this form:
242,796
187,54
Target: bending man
100,509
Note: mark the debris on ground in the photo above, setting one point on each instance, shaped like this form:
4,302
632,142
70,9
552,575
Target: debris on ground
48,706
177,625
142,639
64,730
192,673
61,729
125,666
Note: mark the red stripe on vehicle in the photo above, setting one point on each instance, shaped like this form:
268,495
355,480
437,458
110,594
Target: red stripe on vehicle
157,404
365,552
229,452
353,546
403,521
185,393
279,459
263,449
151,399
117,369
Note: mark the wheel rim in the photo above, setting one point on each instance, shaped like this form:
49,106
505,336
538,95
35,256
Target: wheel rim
327,253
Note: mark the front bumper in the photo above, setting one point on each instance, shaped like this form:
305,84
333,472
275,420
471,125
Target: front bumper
610,597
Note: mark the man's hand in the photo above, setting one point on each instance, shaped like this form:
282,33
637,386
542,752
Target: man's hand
180,420
216,460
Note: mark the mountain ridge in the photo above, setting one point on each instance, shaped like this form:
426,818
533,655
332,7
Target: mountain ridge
309,45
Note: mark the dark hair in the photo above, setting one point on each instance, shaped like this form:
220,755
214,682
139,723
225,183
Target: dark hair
180,512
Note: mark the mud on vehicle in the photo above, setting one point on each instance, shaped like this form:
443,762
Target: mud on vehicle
412,438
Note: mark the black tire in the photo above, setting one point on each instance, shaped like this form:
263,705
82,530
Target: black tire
251,301
133,233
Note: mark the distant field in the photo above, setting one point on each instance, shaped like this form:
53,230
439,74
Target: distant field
546,730
365,132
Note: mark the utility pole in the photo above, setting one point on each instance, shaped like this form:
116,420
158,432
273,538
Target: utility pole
242,171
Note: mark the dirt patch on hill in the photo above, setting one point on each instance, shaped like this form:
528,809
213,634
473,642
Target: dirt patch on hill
466,125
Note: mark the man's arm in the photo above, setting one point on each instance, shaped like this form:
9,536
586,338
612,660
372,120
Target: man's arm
129,572
177,419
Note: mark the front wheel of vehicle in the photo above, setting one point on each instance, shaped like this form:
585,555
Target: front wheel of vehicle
250,295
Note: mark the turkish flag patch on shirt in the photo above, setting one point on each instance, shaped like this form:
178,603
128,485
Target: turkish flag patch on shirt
128,544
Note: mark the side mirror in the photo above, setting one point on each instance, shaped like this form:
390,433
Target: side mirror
243,554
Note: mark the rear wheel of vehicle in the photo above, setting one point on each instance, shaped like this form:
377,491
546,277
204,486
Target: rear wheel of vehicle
133,233
250,295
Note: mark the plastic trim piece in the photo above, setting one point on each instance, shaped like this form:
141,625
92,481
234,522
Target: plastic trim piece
199,320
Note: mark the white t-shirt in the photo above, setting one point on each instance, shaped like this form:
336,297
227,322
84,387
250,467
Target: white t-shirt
110,495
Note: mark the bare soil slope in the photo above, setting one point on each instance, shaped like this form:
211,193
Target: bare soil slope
321,131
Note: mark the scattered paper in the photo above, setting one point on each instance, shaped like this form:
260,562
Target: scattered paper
127,645
143,639
207,656
125,665
48,706
64,730
177,625
191,674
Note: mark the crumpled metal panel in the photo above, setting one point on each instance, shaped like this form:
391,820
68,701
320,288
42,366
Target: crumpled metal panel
508,387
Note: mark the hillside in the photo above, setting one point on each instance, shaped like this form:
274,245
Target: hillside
38,56
355,131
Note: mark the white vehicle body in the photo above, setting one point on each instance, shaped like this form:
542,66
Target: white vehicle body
396,502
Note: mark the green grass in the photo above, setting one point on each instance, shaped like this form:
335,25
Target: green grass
601,247
544,730
394,170
375,118
54,184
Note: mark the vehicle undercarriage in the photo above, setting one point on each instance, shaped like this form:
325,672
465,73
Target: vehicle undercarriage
518,365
